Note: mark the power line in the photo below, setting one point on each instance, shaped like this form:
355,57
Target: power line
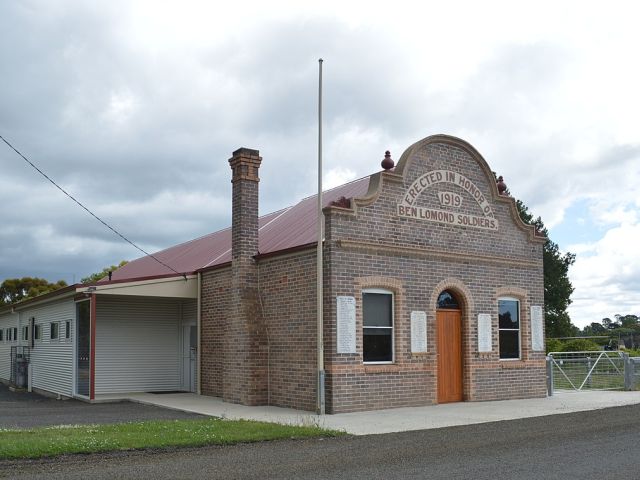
87,210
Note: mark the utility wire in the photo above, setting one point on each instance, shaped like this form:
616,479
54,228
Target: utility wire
87,210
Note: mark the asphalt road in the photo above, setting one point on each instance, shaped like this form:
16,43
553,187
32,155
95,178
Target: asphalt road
27,410
599,444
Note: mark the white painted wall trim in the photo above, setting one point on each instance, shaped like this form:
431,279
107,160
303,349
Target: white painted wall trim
173,287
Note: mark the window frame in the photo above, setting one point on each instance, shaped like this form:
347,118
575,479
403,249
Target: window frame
37,332
2,335
383,291
519,329
25,333
57,330
67,331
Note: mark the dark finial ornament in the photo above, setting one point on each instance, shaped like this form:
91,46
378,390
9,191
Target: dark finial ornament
342,202
502,187
387,163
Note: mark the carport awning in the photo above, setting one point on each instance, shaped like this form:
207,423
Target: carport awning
171,287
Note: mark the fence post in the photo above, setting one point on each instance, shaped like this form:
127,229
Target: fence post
628,371
549,375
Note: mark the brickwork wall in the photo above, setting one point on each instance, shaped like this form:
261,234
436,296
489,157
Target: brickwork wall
287,306
216,303
288,294
416,260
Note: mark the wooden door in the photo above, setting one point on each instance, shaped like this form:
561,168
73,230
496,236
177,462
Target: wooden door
449,327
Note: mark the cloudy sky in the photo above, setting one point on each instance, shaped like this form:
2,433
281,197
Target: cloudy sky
135,107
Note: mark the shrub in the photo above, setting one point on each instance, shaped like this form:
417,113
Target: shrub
554,345
581,345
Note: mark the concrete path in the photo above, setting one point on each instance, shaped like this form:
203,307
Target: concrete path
399,419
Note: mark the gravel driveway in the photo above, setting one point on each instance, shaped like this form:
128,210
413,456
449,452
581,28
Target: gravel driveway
26,410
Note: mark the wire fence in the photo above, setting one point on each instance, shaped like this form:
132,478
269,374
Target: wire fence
600,370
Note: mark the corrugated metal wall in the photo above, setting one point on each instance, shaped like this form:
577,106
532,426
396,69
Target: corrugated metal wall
137,344
189,312
52,360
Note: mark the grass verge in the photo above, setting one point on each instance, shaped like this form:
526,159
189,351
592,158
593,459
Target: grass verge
58,440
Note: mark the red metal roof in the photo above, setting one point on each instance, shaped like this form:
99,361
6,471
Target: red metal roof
282,230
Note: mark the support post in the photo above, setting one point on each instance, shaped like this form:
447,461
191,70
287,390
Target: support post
549,375
320,277
628,371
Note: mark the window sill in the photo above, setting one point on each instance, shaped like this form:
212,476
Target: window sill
381,368
513,364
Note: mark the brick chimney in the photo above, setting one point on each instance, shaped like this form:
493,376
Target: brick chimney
245,372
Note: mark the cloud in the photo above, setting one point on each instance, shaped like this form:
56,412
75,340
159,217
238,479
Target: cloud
606,276
135,108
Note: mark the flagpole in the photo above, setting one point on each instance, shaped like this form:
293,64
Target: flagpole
320,227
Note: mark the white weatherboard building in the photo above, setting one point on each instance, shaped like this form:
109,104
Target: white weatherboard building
145,340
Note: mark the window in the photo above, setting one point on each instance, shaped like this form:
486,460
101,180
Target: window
36,331
53,331
509,328
67,329
447,300
377,335
25,333
1,335
15,334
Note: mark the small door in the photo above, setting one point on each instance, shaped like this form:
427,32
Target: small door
449,327
189,356
83,348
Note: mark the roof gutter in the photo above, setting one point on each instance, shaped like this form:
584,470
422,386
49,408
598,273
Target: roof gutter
61,292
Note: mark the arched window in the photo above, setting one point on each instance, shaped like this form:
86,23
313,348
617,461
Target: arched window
447,299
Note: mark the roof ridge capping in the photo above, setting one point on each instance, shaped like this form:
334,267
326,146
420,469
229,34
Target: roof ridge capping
342,185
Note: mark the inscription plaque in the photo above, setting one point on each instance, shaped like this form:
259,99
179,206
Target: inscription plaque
418,332
484,332
537,338
346,325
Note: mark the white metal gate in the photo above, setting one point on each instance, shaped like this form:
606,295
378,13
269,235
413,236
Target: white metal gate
580,371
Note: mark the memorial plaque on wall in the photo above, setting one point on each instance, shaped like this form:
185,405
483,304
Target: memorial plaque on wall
346,325
537,339
418,332
484,332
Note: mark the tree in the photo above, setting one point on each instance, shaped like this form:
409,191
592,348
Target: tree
628,321
13,290
596,329
557,286
103,273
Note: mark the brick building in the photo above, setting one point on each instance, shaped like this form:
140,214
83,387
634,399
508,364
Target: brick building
433,292
419,260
